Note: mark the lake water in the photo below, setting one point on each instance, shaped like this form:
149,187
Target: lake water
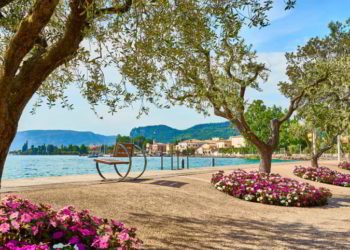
30,166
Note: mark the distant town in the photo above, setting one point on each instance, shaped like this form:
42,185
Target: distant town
214,147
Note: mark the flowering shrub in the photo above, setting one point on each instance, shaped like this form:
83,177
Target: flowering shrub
270,189
26,226
324,175
344,165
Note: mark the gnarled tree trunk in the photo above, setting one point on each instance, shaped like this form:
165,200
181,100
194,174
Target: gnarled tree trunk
265,160
21,77
8,126
315,155
314,161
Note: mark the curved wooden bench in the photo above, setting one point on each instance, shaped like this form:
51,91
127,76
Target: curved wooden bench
110,161
125,150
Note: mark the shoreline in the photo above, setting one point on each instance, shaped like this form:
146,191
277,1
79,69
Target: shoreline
13,185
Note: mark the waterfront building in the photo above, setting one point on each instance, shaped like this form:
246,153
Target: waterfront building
156,148
237,141
189,144
207,149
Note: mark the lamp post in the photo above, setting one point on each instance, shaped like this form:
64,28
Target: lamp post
339,148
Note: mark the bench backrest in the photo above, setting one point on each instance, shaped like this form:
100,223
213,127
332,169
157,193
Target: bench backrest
119,151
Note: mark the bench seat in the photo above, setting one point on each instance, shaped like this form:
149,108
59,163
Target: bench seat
111,161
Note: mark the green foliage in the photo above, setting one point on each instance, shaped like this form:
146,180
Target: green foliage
123,139
54,150
25,147
114,29
259,117
326,58
240,150
326,108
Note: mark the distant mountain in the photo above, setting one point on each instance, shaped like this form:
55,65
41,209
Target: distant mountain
59,137
162,133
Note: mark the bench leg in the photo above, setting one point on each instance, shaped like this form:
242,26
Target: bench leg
99,171
116,170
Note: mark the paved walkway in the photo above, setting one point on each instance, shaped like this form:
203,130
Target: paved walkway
181,210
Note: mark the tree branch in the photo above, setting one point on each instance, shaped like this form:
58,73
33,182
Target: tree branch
295,102
120,9
36,70
4,3
27,35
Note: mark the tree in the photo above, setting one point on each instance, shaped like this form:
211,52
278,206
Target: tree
123,139
50,149
326,109
25,147
326,123
258,116
141,141
42,49
212,68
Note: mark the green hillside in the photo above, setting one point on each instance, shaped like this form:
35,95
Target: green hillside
162,133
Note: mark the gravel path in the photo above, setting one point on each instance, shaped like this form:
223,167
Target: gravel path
186,212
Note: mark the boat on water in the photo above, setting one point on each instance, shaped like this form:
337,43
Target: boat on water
93,155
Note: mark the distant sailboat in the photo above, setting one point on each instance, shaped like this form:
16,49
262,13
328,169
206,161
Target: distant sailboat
94,153
93,156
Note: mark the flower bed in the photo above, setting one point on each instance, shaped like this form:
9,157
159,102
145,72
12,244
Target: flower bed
324,175
270,189
344,165
26,226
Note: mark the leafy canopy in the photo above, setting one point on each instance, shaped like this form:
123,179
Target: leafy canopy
325,108
109,39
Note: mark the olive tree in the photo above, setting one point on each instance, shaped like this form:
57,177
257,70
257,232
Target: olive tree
48,44
326,123
326,109
209,67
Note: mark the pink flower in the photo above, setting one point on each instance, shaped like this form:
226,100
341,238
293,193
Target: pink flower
53,223
25,218
269,189
86,232
4,227
14,215
35,230
78,228
101,242
123,236
15,224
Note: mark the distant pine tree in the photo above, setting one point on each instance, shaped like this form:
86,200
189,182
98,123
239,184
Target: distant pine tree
25,147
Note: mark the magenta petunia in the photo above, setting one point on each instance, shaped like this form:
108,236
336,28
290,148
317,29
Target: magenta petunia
269,189
21,222
324,175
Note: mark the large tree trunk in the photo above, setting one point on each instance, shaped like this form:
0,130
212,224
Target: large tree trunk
8,128
314,161
265,160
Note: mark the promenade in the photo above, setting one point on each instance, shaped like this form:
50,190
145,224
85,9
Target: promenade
181,210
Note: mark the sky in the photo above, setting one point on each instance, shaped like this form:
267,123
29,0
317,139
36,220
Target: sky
287,30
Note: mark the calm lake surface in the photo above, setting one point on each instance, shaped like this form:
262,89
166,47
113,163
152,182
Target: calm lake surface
29,166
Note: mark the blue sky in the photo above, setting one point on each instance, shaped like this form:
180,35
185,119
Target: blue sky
287,30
